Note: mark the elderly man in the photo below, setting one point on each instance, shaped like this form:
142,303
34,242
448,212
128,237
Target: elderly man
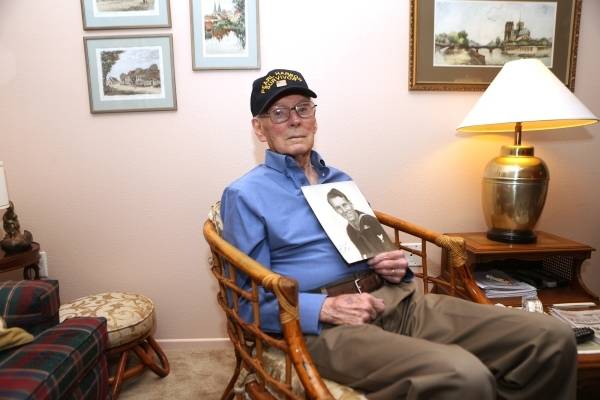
389,341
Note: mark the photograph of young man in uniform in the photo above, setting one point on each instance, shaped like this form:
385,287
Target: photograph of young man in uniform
348,220
364,230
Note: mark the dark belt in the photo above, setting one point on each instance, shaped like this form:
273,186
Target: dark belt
364,283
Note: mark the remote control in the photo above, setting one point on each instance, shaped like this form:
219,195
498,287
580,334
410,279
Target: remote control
582,335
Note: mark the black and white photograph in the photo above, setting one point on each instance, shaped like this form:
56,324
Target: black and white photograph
348,220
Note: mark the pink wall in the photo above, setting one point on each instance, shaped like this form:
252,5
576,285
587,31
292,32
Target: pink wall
118,200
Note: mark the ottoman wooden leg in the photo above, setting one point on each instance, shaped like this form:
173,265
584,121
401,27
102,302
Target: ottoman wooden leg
117,380
130,320
147,351
145,355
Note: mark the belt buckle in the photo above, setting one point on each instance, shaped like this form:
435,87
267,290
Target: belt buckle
358,288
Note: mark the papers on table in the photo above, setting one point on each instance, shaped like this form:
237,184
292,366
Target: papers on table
496,283
579,319
590,347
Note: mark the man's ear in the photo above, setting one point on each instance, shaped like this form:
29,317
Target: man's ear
258,130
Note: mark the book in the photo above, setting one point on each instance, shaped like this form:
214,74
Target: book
496,283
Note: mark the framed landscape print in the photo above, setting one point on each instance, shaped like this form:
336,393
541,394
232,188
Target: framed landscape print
462,44
224,34
118,14
130,73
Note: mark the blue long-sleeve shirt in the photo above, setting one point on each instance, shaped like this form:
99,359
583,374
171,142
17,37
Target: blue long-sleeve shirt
266,216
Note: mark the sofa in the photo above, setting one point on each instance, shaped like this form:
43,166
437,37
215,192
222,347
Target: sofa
49,360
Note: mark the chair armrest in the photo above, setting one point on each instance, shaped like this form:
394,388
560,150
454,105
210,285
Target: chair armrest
455,251
48,367
286,292
30,304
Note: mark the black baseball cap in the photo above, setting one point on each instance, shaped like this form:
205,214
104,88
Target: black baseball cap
275,84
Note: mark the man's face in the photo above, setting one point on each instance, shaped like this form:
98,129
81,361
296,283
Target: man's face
294,137
343,207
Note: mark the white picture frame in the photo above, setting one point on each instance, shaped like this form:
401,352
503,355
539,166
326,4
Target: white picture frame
224,34
124,14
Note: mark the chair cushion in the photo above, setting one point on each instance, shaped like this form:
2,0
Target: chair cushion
130,316
274,363
12,337
47,367
30,304
214,215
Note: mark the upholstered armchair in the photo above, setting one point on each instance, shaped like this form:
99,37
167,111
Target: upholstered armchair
51,360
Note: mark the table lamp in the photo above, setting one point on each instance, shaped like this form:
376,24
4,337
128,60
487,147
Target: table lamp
14,240
4,203
524,96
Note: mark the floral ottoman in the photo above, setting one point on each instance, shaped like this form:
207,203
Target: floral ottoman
130,321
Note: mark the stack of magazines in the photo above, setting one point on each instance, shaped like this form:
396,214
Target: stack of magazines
496,283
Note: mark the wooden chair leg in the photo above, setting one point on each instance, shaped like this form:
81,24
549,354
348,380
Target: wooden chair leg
258,392
229,393
117,380
147,358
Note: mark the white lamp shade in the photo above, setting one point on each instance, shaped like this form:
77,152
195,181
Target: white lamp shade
526,91
3,188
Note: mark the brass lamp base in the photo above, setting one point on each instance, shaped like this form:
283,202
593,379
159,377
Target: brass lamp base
509,236
514,191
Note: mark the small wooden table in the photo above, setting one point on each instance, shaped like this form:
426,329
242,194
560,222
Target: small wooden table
562,257
28,260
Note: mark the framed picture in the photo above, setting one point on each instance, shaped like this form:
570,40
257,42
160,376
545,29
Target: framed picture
462,44
130,73
119,14
224,34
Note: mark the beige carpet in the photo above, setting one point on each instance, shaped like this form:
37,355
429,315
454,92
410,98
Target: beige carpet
195,374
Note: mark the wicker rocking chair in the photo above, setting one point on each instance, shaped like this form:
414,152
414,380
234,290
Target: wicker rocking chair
269,367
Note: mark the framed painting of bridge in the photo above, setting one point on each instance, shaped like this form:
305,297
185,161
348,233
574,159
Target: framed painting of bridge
120,14
130,73
224,34
462,44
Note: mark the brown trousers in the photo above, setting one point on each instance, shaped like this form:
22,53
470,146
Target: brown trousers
440,347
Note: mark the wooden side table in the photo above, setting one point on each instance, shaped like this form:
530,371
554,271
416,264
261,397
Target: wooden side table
28,260
562,257
555,254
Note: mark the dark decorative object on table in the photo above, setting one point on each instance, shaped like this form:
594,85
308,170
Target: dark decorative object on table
14,241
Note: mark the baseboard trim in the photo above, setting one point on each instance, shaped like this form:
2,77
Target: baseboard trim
191,344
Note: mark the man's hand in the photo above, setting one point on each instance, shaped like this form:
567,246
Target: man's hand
351,309
390,265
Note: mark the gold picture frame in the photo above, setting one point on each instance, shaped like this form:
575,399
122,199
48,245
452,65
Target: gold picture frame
444,58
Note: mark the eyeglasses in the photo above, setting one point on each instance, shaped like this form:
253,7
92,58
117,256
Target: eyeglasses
280,114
